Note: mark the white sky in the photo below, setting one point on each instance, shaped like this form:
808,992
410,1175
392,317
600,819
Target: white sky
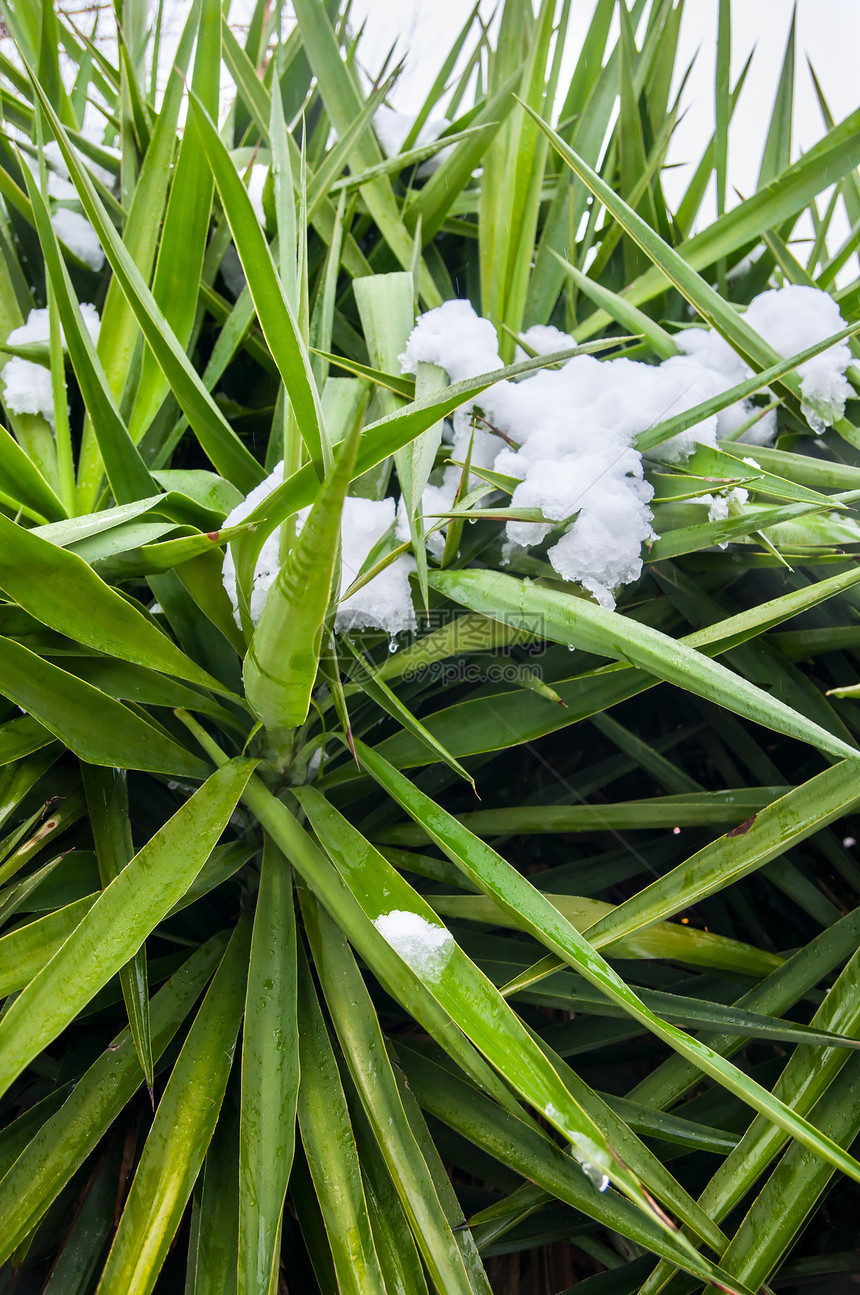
828,34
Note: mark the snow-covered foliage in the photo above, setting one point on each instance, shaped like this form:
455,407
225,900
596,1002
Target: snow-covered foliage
790,319
568,434
27,385
571,446
384,603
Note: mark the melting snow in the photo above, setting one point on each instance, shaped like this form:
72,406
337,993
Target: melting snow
423,945
27,385
385,602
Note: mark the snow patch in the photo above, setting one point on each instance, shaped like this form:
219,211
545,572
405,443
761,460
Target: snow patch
27,385
384,603
568,434
58,164
543,340
255,183
790,319
425,947
77,233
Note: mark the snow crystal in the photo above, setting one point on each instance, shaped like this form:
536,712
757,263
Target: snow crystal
393,127
77,233
794,318
61,189
269,559
57,186
385,602
27,385
27,389
423,945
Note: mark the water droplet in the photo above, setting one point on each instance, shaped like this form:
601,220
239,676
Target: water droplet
571,648
392,644
596,1176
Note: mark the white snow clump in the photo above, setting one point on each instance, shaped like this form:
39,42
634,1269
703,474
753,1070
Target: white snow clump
27,385
384,603
568,434
571,447
256,182
790,319
77,233
424,946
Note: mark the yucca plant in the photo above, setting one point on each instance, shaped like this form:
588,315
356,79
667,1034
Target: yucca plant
286,1007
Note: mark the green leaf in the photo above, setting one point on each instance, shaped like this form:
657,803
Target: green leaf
777,146
65,1139
24,483
24,951
581,623
216,437
62,590
120,920
784,198
631,319
93,725
126,472
762,837
528,1150
270,301
689,809
181,1131
684,944
462,989
213,1245
330,1148
534,912
107,800
175,285
283,656
119,333
270,1075
364,1048
343,102
704,299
